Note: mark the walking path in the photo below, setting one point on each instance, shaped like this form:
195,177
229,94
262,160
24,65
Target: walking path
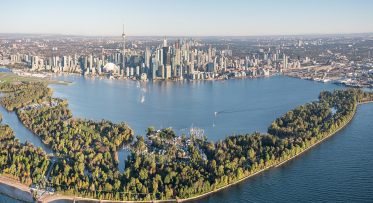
4,75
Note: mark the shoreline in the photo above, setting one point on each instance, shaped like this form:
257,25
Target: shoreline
15,190
129,79
63,197
161,80
277,165
314,144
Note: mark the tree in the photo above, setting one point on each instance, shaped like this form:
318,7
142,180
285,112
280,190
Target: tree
143,174
66,170
117,185
150,130
12,169
159,159
92,187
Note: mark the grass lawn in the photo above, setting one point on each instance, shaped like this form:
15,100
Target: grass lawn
7,78
89,130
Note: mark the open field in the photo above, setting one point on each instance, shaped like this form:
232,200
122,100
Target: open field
89,130
6,78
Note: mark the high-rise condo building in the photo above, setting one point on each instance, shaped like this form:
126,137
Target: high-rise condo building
165,51
124,50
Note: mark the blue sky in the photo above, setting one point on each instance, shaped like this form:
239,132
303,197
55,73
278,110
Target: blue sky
186,17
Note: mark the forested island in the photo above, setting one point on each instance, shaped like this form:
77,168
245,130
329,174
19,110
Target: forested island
6,132
22,94
87,162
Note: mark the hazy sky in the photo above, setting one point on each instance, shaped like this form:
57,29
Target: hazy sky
187,17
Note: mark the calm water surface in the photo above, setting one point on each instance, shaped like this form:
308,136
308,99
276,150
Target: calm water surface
339,169
243,105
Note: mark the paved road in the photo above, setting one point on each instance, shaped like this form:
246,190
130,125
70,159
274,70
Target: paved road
53,161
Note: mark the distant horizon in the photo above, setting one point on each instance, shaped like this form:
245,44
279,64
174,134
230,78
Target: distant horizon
173,36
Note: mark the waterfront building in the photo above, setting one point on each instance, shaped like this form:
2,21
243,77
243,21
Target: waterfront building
168,71
109,68
165,52
161,71
284,61
85,63
191,66
210,67
90,62
144,76
137,71
247,62
64,61
180,71
154,67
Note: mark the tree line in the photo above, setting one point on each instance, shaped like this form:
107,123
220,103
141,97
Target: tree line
24,94
22,161
6,132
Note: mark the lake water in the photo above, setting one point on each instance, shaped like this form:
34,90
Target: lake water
339,169
242,105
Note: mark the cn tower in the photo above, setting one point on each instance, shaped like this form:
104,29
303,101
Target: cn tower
124,48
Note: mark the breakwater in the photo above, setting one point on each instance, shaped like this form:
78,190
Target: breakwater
15,197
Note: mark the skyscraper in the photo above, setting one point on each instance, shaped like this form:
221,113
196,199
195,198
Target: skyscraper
247,61
64,61
90,62
284,62
161,71
210,67
85,63
165,50
69,61
153,67
124,48
168,71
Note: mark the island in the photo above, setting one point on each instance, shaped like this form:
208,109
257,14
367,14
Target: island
162,166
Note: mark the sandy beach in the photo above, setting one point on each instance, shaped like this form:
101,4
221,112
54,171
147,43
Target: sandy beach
15,189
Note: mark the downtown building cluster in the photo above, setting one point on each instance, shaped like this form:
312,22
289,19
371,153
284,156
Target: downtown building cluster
182,60
176,60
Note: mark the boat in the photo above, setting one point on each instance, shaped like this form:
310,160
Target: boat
213,124
216,112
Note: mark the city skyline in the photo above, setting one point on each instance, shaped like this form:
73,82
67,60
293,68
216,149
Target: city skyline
148,18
